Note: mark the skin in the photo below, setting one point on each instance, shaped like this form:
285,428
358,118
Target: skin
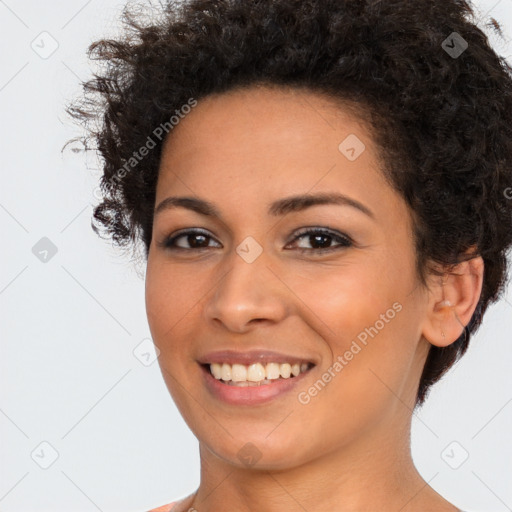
348,449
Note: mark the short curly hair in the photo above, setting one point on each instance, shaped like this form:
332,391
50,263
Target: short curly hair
440,112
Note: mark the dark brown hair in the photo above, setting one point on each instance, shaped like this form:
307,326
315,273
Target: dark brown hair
424,77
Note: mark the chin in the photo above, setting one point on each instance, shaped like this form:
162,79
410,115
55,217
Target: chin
257,451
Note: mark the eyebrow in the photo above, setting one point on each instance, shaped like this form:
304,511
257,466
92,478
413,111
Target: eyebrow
277,208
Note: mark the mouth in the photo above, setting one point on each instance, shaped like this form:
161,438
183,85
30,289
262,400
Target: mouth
253,378
256,373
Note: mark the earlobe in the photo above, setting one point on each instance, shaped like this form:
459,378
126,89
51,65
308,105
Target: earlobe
445,312
452,302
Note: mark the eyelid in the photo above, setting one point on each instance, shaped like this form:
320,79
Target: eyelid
342,239
167,239
323,230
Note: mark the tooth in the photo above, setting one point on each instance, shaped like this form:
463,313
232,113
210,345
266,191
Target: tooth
285,370
216,370
238,372
272,371
226,372
255,372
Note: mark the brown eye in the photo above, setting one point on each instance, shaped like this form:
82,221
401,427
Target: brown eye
321,239
196,239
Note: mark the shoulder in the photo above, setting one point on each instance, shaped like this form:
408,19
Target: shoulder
163,508
184,504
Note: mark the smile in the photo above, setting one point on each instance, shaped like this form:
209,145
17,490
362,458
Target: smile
256,374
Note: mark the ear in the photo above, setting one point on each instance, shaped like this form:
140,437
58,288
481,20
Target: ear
453,298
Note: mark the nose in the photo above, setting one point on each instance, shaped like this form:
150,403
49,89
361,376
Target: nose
246,295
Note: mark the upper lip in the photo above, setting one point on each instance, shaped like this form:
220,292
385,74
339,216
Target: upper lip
252,356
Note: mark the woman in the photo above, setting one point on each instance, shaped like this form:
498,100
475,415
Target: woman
323,191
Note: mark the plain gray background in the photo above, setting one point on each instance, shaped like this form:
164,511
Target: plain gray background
87,425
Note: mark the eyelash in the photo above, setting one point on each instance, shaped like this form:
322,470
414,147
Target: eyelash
345,241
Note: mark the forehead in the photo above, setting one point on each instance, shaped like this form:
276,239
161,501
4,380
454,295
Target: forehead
249,116
262,143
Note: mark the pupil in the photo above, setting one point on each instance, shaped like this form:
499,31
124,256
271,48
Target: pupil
317,237
194,238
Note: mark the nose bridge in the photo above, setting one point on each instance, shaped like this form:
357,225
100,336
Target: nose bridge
247,290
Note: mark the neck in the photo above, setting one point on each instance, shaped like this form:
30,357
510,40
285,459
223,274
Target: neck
373,473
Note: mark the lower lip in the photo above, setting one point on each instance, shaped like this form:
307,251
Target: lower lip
250,395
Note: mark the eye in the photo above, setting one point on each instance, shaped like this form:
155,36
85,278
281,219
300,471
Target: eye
323,237
196,238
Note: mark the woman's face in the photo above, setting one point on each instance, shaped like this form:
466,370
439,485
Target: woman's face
250,287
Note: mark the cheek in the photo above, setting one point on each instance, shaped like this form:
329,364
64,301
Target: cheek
366,317
171,295
168,309
368,369
349,297
158,297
